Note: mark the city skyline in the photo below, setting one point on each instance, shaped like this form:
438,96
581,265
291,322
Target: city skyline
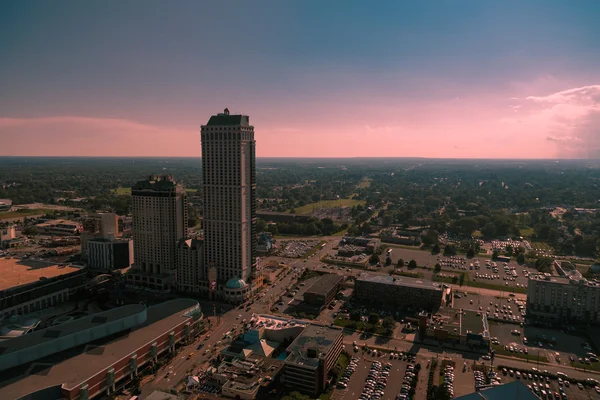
405,79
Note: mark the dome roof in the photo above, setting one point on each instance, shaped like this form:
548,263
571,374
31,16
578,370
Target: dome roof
235,283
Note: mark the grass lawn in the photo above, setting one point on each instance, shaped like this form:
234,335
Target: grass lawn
592,367
408,274
340,233
529,357
126,190
308,208
314,249
25,212
364,183
526,231
310,274
359,326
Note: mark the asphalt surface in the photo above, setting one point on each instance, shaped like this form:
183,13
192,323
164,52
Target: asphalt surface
221,324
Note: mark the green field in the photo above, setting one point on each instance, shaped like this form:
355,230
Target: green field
529,357
364,183
526,232
26,212
125,190
307,209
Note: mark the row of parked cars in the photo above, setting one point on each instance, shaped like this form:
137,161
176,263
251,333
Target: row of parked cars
408,384
449,380
343,382
376,381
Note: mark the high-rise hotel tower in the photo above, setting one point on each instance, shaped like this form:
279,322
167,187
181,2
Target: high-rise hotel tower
159,209
229,190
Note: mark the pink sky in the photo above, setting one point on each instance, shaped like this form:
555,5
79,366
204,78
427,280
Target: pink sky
544,118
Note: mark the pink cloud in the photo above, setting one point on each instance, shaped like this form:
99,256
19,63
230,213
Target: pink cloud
83,136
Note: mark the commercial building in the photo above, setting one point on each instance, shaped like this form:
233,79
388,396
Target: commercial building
455,327
191,274
310,358
59,227
41,290
107,255
5,204
244,379
125,341
229,190
323,291
104,224
409,293
563,299
7,234
514,390
365,244
159,209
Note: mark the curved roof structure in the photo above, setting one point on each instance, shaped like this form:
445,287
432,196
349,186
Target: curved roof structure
235,283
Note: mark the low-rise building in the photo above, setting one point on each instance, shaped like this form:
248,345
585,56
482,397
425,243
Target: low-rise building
369,245
244,379
59,227
42,293
107,255
310,358
416,294
7,234
456,327
125,341
563,299
323,291
5,204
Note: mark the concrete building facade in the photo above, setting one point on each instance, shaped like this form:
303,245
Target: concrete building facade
191,274
159,209
107,255
323,291
229,190
563,299
399,292
310,357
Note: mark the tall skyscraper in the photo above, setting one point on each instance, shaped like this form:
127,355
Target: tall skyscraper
229,190
159,209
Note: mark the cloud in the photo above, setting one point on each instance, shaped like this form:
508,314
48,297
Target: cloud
569,118
85,136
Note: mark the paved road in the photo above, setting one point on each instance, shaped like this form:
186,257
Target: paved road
222,324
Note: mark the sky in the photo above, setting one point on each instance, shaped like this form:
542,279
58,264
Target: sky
338,78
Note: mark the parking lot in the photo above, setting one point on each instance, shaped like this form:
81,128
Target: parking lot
297,248
397,369
507,309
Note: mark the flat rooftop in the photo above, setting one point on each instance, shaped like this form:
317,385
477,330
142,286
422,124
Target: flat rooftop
16,272
401,281
563,280
324,284
472,322
69,328
274,322
314,337
70,368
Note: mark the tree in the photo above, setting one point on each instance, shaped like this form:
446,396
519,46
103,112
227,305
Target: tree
389,323
495,255
461,280
355,315
400,263
471,253
388,260
375,258
521,259
412,264
450,250
436,249
373,318
430,237
437,268
30,231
